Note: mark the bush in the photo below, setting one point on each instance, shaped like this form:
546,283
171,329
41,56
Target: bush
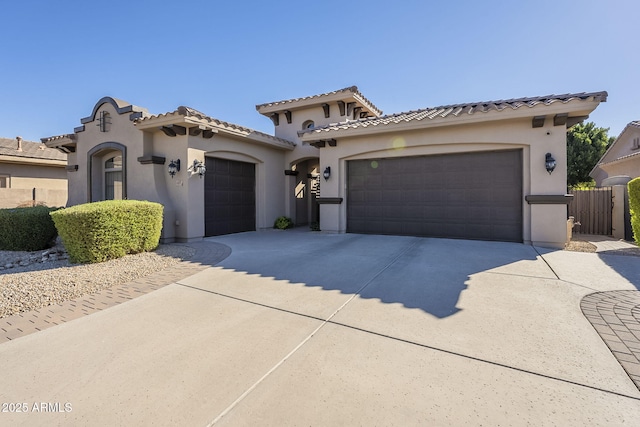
634,207
283,222
100,231
26,229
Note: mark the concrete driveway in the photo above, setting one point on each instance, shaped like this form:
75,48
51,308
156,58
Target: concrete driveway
301,328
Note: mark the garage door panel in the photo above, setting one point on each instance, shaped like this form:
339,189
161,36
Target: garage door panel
229,197
468,195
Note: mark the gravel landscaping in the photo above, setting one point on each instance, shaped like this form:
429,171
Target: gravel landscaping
32,280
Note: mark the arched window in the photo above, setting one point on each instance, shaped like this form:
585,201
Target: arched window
113,178
307,125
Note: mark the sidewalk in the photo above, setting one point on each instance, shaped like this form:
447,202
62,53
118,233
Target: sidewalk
607,243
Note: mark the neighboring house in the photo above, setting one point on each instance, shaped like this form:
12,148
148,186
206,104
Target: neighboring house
474,171
31,173
622,158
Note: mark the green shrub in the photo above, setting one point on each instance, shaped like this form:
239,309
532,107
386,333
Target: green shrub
283,222
100,231
26,229
634,207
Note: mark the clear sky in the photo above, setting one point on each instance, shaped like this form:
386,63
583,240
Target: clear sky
59,58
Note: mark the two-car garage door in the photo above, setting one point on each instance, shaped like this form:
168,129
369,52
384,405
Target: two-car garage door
475,195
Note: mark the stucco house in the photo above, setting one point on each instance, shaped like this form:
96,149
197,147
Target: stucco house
31,172
489,170
622,159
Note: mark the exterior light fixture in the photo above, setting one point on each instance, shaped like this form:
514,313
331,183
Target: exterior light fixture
549,163
327,173
197,168
174,166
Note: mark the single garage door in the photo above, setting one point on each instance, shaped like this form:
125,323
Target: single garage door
468,196
229,197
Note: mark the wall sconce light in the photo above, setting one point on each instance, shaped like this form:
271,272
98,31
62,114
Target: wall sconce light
197,168
549,163
174,166
327,173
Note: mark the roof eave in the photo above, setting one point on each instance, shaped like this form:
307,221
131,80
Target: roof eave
32,161
155,123
346,96
575,108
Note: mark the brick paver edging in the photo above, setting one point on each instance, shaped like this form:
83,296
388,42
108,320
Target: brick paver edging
615,315
207,254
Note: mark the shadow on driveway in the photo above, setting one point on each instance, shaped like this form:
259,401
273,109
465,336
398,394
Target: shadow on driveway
421,273
628,266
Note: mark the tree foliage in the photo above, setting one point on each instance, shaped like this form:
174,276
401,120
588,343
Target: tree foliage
586,144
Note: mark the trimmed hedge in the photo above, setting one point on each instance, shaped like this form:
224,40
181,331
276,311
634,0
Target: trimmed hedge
634,207
100,231
26,229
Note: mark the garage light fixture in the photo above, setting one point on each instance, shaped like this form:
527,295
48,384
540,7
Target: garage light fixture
549,163
174,166
327,173
197,168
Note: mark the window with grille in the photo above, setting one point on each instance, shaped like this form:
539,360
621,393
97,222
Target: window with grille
113,178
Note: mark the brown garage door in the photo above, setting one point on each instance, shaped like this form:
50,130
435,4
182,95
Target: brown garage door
467,196
229,197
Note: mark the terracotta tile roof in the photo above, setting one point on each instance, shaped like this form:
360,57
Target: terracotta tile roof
32,150
191,112
457,110
351,89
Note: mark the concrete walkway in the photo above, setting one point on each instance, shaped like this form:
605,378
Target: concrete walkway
298,328
606,243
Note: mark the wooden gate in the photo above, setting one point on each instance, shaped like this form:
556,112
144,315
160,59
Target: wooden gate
592,209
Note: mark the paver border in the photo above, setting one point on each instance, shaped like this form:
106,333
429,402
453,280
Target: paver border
615,315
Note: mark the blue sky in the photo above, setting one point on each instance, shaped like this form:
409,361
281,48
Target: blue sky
224,57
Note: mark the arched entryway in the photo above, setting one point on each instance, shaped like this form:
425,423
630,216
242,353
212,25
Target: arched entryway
107,172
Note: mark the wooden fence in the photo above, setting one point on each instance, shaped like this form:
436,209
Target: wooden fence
592,209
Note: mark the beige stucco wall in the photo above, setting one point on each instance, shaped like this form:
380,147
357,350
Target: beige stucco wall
542,224
183,195
29,182
629,167
32,176
122,131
